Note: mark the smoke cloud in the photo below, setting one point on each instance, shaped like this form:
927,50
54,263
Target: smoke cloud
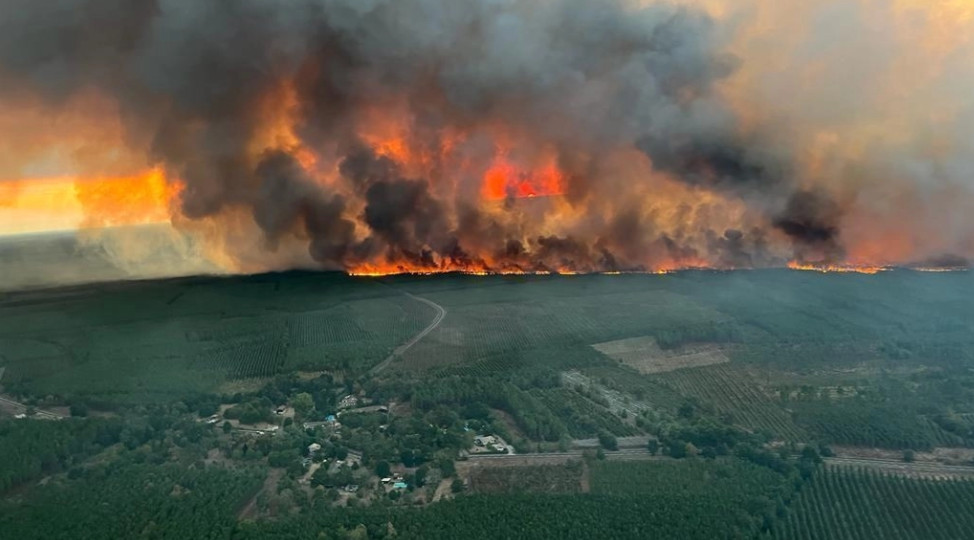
526,135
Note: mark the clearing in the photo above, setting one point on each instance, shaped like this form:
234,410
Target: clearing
645,355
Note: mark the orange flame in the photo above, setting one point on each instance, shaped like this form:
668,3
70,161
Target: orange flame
837,268
504,180
59,203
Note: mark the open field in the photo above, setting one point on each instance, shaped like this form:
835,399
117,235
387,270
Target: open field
645,355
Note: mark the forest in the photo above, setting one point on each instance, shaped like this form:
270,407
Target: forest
280,406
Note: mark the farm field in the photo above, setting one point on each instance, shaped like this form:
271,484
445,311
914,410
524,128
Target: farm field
645,355
855,504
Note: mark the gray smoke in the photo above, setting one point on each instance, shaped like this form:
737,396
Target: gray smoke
586,78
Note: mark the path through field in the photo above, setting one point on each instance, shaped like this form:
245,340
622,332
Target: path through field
440,314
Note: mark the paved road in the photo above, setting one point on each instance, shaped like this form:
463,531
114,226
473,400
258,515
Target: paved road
400,350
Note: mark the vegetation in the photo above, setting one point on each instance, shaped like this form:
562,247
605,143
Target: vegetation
249,407
31,448
132,501
859,504
561,478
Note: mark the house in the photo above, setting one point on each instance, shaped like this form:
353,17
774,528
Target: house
386,480
313,447
280,410
351,488
348,402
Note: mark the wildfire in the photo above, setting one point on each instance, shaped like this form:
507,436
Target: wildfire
503,179
60,203
837,268
135,200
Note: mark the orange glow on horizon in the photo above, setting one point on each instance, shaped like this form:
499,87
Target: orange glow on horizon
40,205
837,268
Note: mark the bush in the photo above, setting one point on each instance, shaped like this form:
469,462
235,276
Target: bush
608,441
79,409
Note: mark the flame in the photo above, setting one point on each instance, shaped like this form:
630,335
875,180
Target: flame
70,203
136,200
503,179
837,268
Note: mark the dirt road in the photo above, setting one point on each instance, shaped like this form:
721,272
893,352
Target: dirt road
400,350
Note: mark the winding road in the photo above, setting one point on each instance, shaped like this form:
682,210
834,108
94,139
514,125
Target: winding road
400,350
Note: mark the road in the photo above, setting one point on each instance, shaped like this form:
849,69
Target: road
626,453
38,413
400,350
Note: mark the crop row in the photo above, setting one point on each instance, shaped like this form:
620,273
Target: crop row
854,504
730,393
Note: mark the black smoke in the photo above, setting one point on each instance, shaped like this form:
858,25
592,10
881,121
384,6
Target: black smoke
586,78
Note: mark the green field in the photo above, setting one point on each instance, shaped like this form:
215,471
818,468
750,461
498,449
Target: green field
855,504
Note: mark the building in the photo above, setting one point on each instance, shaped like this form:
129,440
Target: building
313,447
484,440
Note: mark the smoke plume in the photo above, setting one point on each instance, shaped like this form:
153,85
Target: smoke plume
522,135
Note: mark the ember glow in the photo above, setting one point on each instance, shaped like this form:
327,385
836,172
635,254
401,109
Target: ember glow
520,136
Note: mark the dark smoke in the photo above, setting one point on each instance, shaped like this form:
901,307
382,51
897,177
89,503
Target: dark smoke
584,77
811,218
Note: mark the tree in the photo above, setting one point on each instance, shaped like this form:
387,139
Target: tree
79,409
420,476
227,427
457,486
382,469
608,440
653,446
678,449
447,468
303,404
909,456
